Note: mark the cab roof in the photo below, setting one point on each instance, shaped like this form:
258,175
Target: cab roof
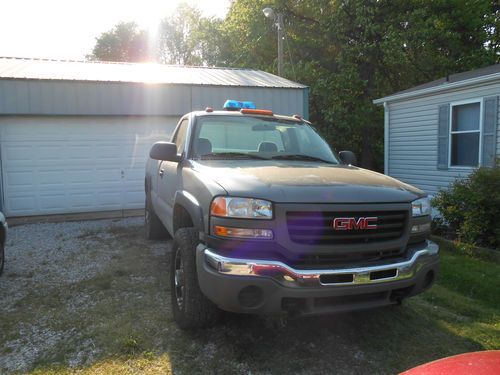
238,113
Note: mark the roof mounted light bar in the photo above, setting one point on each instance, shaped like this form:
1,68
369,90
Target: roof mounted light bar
235,105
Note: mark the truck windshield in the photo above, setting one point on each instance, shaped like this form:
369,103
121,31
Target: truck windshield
259,138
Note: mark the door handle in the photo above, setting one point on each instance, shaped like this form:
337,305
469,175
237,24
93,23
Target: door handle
161,172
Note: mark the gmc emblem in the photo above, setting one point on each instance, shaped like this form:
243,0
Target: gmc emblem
351,223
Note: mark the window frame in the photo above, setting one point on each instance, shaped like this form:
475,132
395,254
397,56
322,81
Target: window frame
176,132
480,131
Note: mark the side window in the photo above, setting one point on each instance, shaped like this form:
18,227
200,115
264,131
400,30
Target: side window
465,134
180,136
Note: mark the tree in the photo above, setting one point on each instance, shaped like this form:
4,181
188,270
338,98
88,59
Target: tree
125,42
350,52
390,46
187,38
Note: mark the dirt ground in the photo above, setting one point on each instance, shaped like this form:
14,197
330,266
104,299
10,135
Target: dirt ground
93,297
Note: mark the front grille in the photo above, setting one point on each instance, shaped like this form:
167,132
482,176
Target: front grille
316,228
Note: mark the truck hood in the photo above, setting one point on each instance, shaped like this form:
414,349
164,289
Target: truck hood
304,182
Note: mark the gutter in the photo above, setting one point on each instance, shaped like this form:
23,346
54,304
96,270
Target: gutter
434,89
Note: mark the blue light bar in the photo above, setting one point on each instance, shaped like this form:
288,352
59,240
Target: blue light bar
235,105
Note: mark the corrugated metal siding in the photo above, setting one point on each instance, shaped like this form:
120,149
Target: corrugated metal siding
34,97
18,68
281,101
413,127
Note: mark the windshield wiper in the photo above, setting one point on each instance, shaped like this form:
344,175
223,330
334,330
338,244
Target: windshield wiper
301,157
241,155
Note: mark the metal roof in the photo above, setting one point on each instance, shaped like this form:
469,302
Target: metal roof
451,81
70,70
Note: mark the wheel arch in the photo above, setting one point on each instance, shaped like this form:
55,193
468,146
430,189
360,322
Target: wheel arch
187,212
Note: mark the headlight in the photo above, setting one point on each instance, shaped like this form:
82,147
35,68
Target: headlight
421,207
245,208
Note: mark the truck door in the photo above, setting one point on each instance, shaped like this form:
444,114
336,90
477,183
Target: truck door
170,175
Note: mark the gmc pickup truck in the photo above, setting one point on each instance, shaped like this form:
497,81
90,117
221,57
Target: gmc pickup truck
267,219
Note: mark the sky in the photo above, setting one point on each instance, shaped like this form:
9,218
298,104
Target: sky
67,29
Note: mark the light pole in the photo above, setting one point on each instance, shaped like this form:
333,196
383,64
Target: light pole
278,22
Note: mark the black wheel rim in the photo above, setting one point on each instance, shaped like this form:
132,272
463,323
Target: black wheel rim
179,279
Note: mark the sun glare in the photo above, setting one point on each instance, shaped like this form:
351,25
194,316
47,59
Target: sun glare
64,29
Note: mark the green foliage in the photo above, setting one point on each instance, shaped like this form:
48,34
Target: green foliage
471,207
350,52
125,42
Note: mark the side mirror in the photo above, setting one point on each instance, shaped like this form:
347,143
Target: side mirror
164,151
348,157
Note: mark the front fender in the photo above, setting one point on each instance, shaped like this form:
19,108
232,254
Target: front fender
192,206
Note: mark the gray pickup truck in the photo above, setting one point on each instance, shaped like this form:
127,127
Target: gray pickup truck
267,219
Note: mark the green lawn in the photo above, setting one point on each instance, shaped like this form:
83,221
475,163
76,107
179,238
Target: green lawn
125,324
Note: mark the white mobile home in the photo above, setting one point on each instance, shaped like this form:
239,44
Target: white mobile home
443,130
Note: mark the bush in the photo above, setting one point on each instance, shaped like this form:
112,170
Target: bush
471,207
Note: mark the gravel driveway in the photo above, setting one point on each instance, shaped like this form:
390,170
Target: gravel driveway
49,273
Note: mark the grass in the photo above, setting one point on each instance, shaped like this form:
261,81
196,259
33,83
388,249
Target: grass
119,322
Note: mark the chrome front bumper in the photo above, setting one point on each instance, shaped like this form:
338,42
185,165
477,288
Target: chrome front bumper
342,276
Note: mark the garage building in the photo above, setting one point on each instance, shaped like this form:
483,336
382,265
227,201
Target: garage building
74,135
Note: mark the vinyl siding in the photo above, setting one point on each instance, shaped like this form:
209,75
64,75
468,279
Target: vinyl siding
498,132
413,135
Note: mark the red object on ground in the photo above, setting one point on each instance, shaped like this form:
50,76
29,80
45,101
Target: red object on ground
477,363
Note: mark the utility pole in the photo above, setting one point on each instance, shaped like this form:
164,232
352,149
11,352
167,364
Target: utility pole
279,26
278,23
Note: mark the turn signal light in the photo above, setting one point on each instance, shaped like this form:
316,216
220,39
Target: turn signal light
219,207
263,234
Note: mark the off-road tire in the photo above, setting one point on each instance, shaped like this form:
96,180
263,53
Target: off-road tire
196,310
154,228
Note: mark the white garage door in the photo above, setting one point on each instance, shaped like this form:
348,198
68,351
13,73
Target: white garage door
53,165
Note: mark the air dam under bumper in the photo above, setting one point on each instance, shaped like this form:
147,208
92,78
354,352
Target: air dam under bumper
271,287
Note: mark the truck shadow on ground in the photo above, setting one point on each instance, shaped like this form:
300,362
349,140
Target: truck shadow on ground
119,321
385,340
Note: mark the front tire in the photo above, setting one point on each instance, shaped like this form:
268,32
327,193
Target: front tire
191,309
2,257
154,228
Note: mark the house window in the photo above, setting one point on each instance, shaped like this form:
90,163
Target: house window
465,134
